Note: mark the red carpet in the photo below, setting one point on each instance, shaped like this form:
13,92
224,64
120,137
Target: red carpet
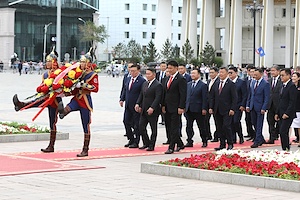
17,165
126,152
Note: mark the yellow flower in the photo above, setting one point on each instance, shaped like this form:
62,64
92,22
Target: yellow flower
67,89
68,64
71,74
78,69
61,81
48,81
56,72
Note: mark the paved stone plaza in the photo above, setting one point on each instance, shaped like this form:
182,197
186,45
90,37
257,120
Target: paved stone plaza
121,177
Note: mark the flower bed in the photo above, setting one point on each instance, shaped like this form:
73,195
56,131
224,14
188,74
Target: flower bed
269,163
7,128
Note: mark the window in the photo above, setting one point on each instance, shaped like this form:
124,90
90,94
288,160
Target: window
126,34
126,20
172,9
198,24
144,35
179,36
127,6
171,36
283,12
172,22
144,47
153,35
198,11
144,20
179,9
144,6
153,21
153,7
294,12
179,23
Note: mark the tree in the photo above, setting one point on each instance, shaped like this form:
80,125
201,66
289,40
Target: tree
120,50
166,52
187,51
134,49
151,53
207,55
93,34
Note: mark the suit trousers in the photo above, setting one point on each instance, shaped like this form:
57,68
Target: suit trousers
131,120
273,125
172,128
249,125
284,126
224,128
152,120
207,126
191,117
236,125
257,120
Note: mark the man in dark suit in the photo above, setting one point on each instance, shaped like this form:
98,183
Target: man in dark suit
182,71
249,125
211,83
223,102
149,105
173,105
276,85
196,107
160,77
257,104
241,89
286,110
133,86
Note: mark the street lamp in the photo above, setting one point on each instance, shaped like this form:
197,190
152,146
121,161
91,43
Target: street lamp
45,39
253,8
80,19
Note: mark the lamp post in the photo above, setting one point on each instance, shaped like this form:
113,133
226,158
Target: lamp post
253,8
45,39
80,19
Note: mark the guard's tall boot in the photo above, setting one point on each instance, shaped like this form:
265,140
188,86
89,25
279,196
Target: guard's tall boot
18,104
62,111
86,144
50,147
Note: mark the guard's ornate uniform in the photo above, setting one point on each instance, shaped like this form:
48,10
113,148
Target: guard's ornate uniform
82,100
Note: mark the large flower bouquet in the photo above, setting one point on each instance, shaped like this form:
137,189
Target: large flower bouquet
19,128
269,163
61,82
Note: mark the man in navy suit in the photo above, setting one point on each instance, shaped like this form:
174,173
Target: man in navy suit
133,87
257,104
182,71
196,107
286,110
149,105
173,105
223,102
241,89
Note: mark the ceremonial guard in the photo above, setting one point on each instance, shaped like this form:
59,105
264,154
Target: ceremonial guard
51,65
82,100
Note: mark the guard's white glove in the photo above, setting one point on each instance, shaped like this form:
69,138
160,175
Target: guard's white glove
78,85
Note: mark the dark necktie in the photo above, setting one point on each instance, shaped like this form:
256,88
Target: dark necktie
282,88
221,87
256,85
273,83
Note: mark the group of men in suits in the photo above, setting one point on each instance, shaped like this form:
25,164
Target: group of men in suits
172,92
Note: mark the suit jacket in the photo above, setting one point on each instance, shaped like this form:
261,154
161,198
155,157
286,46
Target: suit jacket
158,76
242,94
259,99
226,100
151,97
175,96
287,101
187,77
196,99
274,93
130,96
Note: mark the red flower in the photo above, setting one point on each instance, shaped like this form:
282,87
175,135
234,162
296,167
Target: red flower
77,75
44,89
63,68
56,86
52,75
68,83
39,89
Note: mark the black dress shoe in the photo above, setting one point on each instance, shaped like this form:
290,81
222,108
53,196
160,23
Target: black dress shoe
262,142
247,136
209,138
214,140
189,145
234,142
125,135
179,148
219,148
230,147
296,141
128,144
251,138
204,144
169,151
150,149
166,143
270,142
134,145
255,145
143,147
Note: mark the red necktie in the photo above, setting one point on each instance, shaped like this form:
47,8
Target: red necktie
169,82
132,81
221,87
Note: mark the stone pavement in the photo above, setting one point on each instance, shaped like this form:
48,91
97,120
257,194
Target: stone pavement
121,177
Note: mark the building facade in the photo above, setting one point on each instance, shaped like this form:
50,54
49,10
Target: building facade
22,28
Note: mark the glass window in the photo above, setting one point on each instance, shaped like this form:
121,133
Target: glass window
153,7
179,36
144,6
171,36
153,35
179,23
179,9
294,12
126,34
198,24
172,22
198,11
127,21
283,12
144,35
153,21
127,6
144,20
